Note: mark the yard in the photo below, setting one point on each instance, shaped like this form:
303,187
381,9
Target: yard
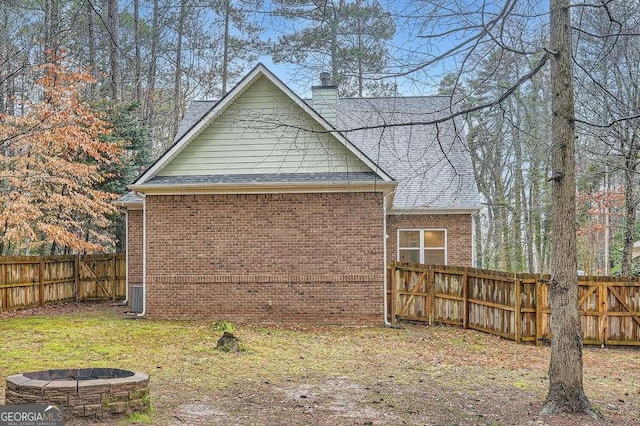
320,376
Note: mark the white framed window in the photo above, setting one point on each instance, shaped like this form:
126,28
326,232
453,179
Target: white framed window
428,246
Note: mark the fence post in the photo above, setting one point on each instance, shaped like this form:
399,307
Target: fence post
41,281
5,289
395,287
602,309
114,285
539,312
465,300
518,314
76,277
431,283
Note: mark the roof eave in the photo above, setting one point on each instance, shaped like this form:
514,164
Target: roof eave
264,188
434,210
131,205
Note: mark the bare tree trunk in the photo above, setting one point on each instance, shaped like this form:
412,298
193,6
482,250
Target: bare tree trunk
225,53
4,62
114,57
536,226
177,88
91,35
52,26
531,236
566,392
504,239
334,46
528,235
10,105
630,204
519,202
47,24
153,63
360,50
136,42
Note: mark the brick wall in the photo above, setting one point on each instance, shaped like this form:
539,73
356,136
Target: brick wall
134,247
266,257
458,228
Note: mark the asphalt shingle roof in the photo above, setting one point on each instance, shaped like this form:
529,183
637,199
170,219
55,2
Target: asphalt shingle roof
431,163
196,111
128,198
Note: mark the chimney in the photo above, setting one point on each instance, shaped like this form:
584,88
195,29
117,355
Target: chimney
325,98
325,79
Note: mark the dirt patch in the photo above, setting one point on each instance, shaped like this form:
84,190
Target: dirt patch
69,308
339,401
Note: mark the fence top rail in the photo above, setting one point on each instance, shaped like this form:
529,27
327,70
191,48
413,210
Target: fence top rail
463,269
526,278
58,258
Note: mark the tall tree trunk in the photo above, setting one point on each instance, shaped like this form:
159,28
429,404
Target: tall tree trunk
528,237
10,104
4,61
531,235
114,57
149,112
630,202
503,237
519,201
136,42
566,392
91,43
535,223
360,59
52,26
334,45
225,53
177,88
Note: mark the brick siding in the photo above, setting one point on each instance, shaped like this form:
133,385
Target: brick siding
134,247
314,258
458,226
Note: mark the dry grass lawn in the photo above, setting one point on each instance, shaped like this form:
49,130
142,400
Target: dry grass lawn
316,376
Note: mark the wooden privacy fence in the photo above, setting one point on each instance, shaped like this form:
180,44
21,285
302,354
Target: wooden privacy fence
514,306
28,281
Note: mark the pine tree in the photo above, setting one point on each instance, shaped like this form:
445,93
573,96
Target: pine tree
346,38
135,156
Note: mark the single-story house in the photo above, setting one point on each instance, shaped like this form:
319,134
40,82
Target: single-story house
271,208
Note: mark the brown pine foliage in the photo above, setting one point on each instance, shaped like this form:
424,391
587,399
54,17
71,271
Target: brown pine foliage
51,160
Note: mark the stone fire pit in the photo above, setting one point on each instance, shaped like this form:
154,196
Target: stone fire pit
83,392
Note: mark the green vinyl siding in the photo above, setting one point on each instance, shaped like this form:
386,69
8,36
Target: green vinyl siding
263,131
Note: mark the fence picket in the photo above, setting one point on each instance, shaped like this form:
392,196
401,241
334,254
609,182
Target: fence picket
27,281
518,313
508,305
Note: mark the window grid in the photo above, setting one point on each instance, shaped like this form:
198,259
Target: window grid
422,248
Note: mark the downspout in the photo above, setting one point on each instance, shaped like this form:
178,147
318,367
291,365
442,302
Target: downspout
126,259
144,255
384,262
474,254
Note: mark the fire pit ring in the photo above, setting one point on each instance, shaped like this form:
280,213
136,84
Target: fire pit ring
82,391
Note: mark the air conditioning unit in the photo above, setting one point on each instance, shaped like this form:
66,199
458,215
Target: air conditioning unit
136,298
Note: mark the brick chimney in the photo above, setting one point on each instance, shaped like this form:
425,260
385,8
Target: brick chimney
325,98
